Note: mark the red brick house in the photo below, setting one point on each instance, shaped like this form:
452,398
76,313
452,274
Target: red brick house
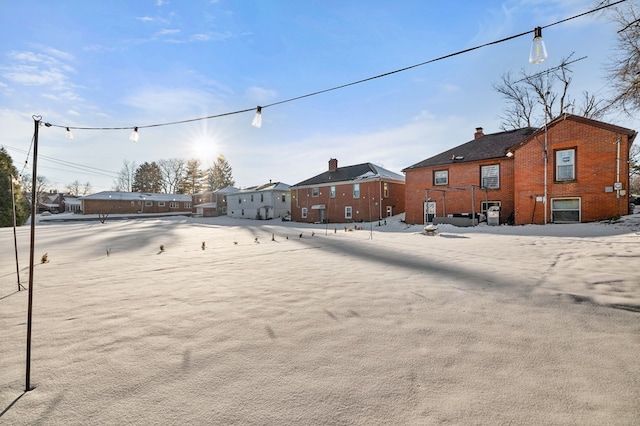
587,175
359,193
113,202
587,169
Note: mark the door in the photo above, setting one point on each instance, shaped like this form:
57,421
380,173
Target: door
429,211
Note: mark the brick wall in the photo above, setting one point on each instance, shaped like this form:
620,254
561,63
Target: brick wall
458,194
371,205
595,168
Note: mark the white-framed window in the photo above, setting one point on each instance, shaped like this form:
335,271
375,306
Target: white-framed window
565,210
315,192
174,205
385,189
262,198
332,191
566,164
356,190
187,205
490,176
441,177
484,206
160,203
348,212
304,212
148,203
284,198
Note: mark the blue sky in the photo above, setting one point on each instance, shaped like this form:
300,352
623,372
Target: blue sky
127,63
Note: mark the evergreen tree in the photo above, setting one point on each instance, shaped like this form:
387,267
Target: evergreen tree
147,178
194,177
220,175
8,177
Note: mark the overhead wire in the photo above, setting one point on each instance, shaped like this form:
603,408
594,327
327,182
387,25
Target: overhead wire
342,86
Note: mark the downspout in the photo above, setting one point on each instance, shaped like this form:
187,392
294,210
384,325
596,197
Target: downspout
618,165
380,199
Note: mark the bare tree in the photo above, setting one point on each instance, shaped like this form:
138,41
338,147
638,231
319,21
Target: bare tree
74,187
172,171
41,187
624,69
124,181
549,89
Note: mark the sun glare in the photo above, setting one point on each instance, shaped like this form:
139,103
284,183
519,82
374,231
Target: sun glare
206,141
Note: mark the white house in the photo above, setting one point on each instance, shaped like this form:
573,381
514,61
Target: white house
268,201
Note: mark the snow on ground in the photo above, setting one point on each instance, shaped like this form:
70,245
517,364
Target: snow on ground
286,324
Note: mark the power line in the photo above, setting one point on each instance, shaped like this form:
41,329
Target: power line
342,86
76,166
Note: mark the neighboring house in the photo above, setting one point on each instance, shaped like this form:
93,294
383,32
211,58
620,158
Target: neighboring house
52,202
363,192
586,179
587,175
212,204
113,202
72,204
267,201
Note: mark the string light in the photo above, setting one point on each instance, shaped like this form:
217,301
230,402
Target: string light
134,135
257,120
538,51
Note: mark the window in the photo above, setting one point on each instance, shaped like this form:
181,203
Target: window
565,210
160,203
484,206
133,203
490,176
174,205
332,192
348,212
565,164
240,200
441,177
356,190
252,198
284,198
304,212
242,212
187,205
385,189
148,203
315,192
262,198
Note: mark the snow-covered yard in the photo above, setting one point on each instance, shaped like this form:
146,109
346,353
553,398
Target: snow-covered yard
288,324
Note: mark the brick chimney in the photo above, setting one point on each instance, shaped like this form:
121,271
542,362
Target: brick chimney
333,164
478,133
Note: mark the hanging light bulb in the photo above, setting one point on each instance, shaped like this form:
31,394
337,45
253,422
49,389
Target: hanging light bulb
257,119
69,135
538,50
134,135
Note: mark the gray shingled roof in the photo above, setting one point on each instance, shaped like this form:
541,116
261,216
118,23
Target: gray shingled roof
486,147
352,173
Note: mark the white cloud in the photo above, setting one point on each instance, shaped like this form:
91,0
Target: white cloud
260,95
168,31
